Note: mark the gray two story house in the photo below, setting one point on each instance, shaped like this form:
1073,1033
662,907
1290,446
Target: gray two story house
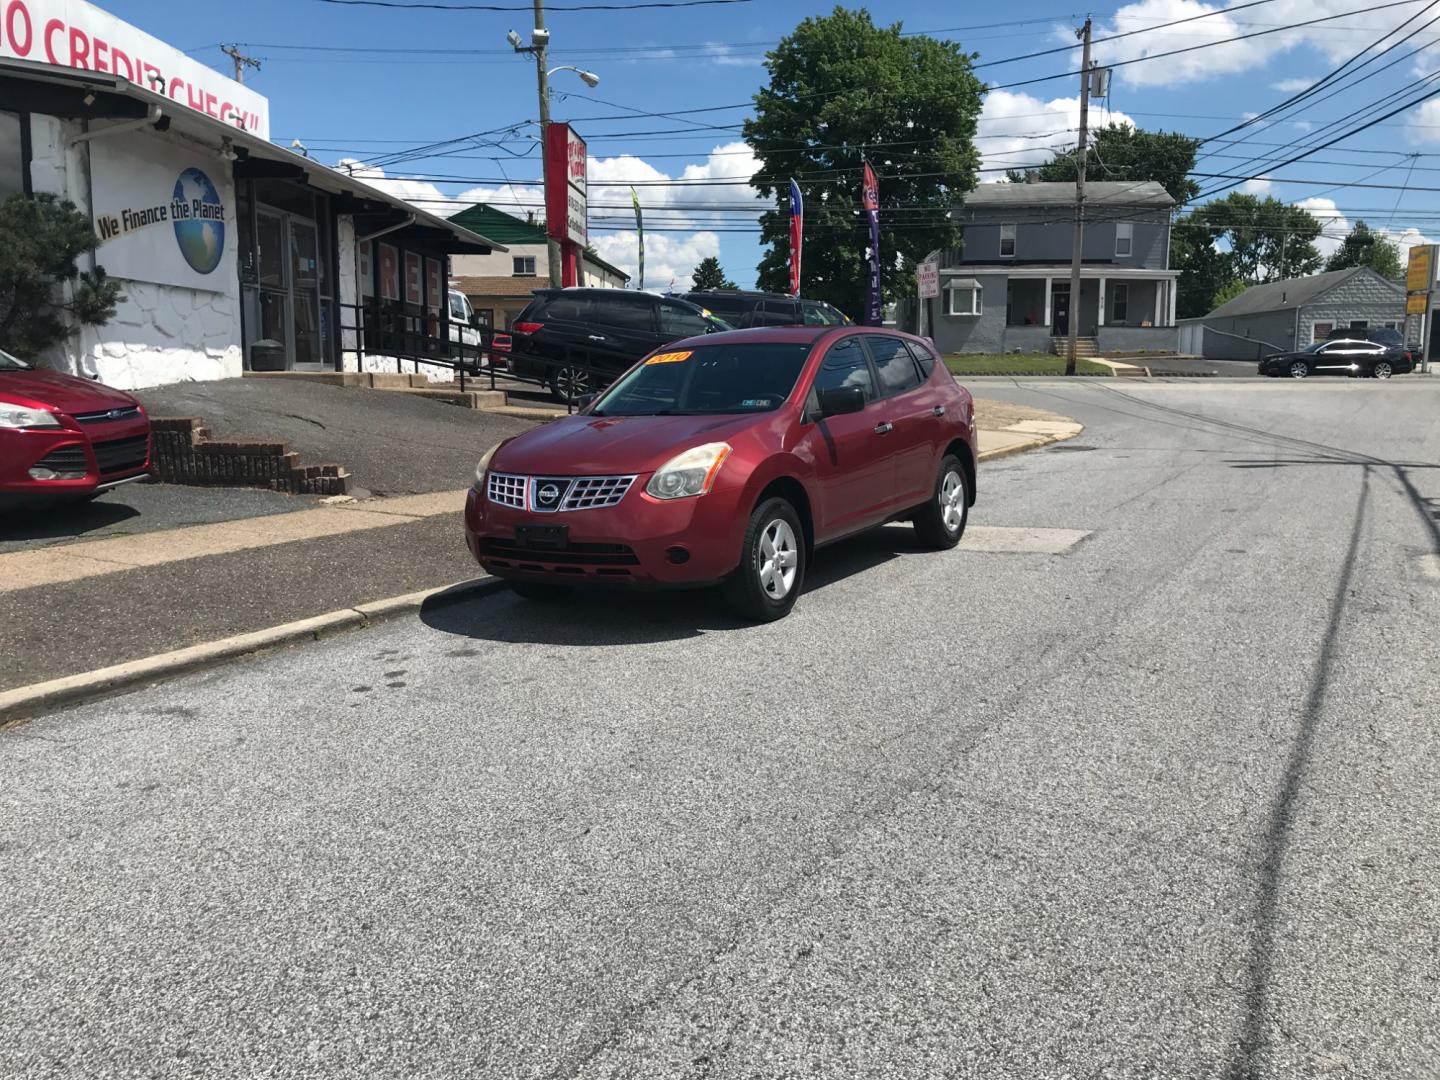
1008,288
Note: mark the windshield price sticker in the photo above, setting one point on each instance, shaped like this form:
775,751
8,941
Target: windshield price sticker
667,358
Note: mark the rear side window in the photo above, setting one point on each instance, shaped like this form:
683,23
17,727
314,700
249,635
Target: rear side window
893,364
724,306
625,312
846,365
818,314
681,322
569,308
777,313
923,356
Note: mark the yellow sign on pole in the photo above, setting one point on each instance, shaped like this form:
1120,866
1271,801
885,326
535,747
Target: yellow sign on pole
1417,303
1417,274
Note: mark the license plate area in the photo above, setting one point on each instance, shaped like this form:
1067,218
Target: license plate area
543,537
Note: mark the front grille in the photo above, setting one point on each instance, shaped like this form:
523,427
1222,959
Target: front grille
507,490
108,416
119,455
592,492
572,555
585,493
67,459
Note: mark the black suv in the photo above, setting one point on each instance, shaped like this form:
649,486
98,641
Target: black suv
576,341
742,309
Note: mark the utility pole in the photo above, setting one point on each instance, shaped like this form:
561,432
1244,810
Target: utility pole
1080,152
542,78
241,61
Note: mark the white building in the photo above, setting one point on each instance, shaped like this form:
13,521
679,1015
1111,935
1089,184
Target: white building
232,253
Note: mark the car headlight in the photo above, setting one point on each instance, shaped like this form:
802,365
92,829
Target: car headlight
17,416
690,473
484,465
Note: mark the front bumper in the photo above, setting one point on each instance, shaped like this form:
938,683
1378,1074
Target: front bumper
102,455
636,542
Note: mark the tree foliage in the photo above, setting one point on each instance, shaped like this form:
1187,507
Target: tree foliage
1365,247
709,276
41,241
1121,152
1240,238
1228,292
843,90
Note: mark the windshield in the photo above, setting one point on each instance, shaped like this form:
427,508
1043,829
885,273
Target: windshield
1316,347
738,377
12,363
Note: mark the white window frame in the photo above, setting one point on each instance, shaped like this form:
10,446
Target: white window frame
1124,231
517,261
977,294
1007,232
1119,294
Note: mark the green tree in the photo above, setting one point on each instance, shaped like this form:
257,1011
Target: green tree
843,90
1204,269
1364,247
709,276
1228,292
41,241
1267,239
1121,152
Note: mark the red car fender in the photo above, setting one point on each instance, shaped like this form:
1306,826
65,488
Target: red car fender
789,469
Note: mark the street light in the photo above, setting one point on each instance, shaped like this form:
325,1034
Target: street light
539,43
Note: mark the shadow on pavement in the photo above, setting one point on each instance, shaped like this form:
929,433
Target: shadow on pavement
40,521
622,616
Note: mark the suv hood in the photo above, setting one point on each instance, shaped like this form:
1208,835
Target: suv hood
610,445
65,393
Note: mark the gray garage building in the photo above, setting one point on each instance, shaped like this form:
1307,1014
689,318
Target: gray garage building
1281,316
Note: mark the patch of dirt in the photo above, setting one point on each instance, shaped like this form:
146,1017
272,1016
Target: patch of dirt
993,414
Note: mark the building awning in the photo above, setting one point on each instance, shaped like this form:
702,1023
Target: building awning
962,283
101,96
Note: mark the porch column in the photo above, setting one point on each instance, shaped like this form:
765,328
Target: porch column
1049,283
1170,291
1100,309
1160,306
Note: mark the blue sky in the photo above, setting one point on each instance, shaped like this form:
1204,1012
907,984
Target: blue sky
417,77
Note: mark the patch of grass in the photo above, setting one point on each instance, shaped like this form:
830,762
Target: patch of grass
1018,364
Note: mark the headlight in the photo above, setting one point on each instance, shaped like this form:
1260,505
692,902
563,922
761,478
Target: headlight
16,416
484,465
690,473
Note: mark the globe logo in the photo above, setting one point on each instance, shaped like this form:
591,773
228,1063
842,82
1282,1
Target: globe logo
200,230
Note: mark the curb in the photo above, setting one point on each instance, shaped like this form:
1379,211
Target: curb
1010,451
25,702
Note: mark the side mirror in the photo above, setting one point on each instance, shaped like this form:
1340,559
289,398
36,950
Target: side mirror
841,401
475,321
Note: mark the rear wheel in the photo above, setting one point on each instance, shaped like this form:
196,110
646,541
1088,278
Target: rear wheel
1382,370
569,384
764,586
941,522
1299,370
539,590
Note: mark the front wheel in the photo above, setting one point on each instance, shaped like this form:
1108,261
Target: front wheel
1299,370
764,586
940,523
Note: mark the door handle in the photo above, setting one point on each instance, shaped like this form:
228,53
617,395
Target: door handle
596,337
939,410
884,428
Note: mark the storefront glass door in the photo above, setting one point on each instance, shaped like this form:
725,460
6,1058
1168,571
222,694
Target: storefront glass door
305,294
288,301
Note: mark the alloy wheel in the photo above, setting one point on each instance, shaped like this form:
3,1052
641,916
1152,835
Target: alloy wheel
1299,369
952,501
779,559
1382,370
571,383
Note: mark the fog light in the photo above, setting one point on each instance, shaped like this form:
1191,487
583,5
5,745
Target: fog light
42,473
677,555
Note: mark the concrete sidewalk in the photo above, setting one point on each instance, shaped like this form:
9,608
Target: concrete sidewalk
89,604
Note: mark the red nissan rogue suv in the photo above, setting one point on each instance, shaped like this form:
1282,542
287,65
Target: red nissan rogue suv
730,458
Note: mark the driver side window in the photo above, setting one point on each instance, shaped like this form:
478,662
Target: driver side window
846,365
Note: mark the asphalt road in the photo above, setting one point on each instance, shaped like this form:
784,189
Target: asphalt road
1164,805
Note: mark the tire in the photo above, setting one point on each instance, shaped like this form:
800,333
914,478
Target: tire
1299,369
759,590
1382,369
940,523
541,592
568,384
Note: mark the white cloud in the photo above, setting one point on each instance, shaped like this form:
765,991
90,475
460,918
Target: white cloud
722,55
1292,86
1259,185
694,206
1017,130
1334,39
1424,125
1334,225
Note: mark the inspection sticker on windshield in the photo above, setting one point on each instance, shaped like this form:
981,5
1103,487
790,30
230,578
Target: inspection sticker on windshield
667,358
